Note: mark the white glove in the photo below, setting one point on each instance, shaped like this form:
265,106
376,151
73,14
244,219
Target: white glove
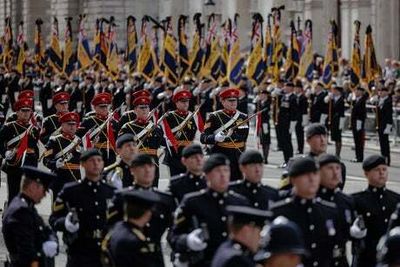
388,129
341,123
356,231
358,125
194,241
116,181
323,118
69,225
9,154
60,163
50,248
292,126
219,137
305,120
265,128
178,263
327,99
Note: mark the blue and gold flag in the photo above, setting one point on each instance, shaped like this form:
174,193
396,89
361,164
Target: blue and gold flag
196,53
20,63
235,61
8,42
84,56
39,57
355,73
277,43
112,56
169,55
131,43
293,55
268,46
68,55
146,61
54,54
183,49
256,69
370,67
330,67
211,65
307,58
100,44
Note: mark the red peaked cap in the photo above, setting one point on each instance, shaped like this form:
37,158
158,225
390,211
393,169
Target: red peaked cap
23,103
102,98
182,94
26,94
140,93
229,93
70,117
61,97
141,100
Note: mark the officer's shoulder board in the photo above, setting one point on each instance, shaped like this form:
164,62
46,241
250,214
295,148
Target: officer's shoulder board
110,167
282,203
326,203
192,195
177,178
237,182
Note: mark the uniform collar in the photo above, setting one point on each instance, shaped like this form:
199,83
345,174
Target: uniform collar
217,195
68,136
251,185
141,121
304,201
193,176
182,113
91,183
140,187
327,193
230,112
377,190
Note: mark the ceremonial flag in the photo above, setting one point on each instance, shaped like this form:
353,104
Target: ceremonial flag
183,49
68,57
370,66
235,61
83,52
8,42
169,54
307,58
293,55
131,43
100,42
39,57
112,57
196,53
224,50
21,49
355,72
54,54
277,43
330,67
256,65
268,46
146,61
211,61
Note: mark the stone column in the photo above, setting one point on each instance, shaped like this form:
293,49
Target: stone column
33,10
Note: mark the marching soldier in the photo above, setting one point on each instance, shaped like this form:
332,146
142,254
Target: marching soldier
318,109
148,135
284,243
13,86
317,219
75,103
384,120
130,115
80,212
388,249
157,88
193,179
118,173
375,204
336,116
29,241
288,118
245,225
277,94
200,221
26,94
51,124
119,94
302,115
263,121
358,116
63,152
259,195
88,93
46,94
143,169
102,126
19,145
227,130
126,243
183,126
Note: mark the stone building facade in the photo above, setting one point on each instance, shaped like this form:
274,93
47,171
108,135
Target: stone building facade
383,15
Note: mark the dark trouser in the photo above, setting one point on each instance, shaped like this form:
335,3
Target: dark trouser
91,260
278,137
385,146
359,143
300,136
14,176
287,147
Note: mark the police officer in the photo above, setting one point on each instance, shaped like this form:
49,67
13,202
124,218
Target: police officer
193,179
126,243
29,241
227,131
318,108
148,135
317,219
200,220
103,128
375,204
118,173
13,134
282,245
80,212
384,119
358,116
183,126
63,152
251,165
263,120
336,116
302,115
143,171
51,124
244,224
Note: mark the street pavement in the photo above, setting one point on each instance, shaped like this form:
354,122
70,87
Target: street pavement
355,180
